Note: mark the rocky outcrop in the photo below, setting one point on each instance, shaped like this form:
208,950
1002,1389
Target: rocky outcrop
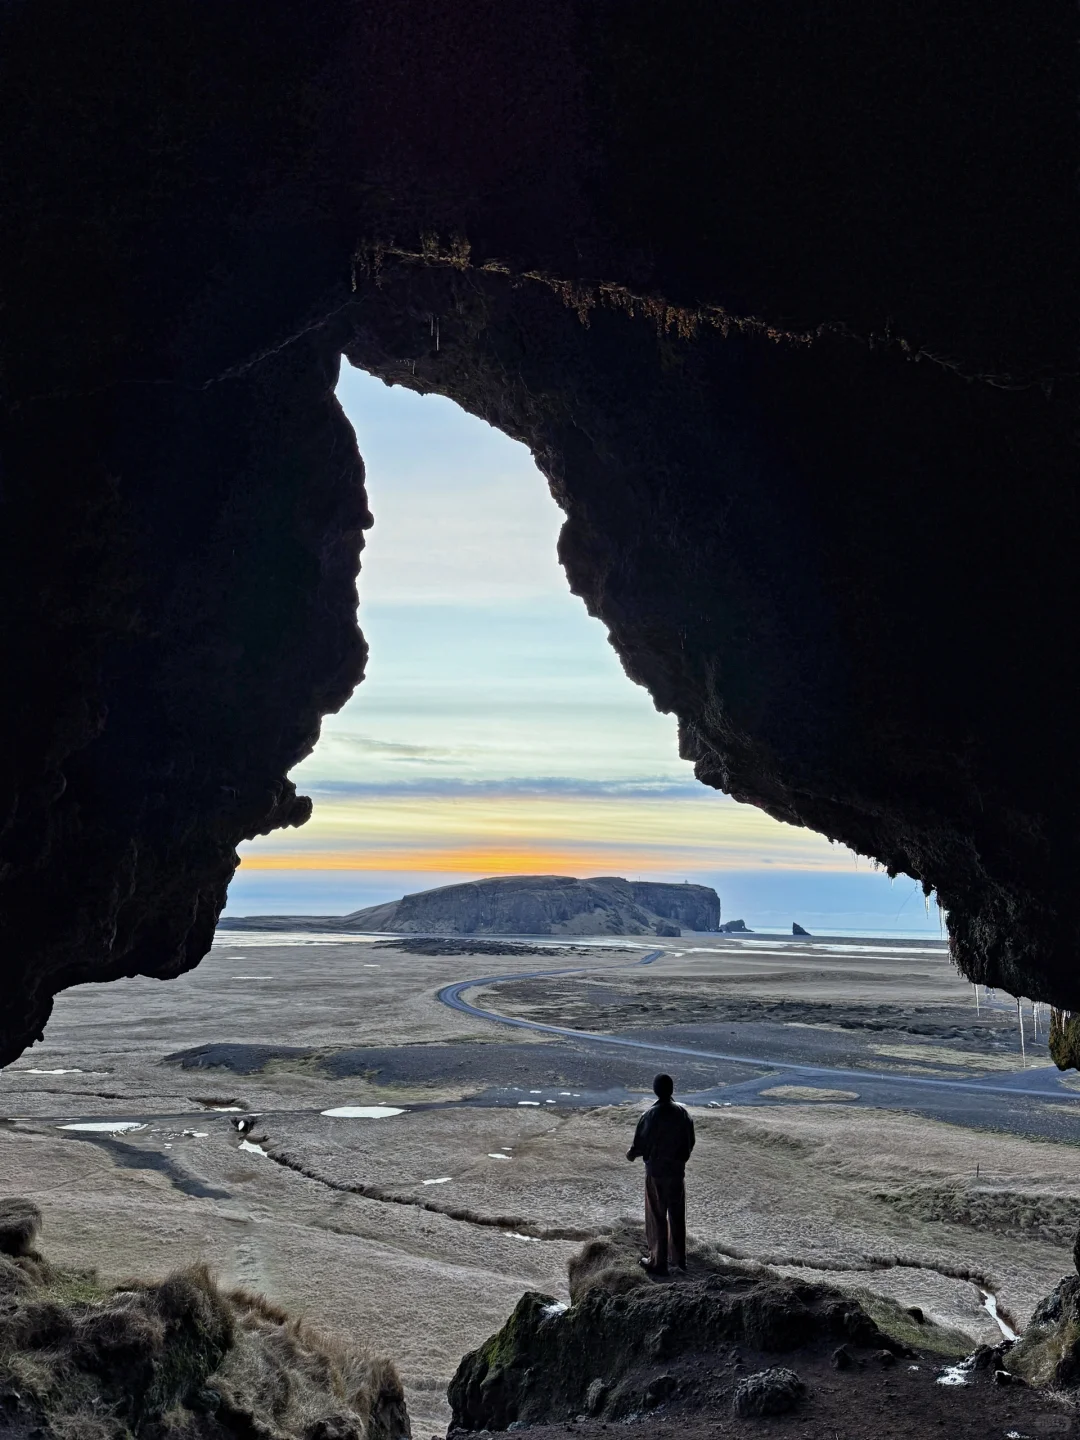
611,1352
778,345
526,905
1048,1352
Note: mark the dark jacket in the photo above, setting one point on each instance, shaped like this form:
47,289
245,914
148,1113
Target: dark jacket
665,1137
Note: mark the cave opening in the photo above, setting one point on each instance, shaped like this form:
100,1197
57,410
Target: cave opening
495,732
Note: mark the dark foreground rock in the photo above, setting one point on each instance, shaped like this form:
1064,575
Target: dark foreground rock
179,1360
1048,1353
610,1352
733,1351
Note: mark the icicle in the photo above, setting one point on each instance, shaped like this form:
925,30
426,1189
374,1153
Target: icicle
1020,1018
976,989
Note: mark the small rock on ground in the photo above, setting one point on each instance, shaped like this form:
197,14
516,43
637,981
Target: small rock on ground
20,1225
768,1392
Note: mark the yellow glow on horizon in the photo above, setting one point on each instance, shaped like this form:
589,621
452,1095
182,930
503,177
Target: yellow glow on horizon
567,833
467,861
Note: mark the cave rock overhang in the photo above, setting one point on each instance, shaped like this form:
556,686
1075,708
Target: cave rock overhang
839,551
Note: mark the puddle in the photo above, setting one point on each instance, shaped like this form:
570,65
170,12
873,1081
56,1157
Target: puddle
255,1149
251,977
363,1112
52,1072
529,1102
494,1155
442,1180
513,1235
104,1127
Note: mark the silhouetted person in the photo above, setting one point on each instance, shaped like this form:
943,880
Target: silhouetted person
665,1138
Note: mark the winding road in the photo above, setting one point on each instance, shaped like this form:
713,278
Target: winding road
876,1087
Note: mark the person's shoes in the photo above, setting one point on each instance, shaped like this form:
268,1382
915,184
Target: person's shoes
650,1269
681,1268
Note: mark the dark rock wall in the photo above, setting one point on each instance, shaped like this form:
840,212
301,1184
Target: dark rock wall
849,574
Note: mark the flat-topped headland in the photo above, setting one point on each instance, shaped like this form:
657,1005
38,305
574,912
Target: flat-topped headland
523,905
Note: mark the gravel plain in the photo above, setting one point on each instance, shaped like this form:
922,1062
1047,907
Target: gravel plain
418,1230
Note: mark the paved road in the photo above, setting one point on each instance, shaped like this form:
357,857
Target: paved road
1009,1103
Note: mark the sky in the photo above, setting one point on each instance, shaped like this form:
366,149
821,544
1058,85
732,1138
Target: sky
495,731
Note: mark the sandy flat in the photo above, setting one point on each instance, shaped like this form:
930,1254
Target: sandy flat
420,1224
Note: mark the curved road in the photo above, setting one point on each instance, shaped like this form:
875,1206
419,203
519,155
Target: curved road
1026,1083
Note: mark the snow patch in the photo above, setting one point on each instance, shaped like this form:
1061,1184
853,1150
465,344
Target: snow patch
104,1127
363,1112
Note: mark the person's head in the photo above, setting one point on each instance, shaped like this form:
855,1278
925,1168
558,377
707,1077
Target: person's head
663,1087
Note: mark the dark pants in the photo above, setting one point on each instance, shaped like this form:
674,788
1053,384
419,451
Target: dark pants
665,1221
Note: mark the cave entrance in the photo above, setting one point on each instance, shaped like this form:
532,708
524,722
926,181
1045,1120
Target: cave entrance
495,731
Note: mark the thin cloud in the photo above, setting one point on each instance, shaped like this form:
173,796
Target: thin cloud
550,785
368,744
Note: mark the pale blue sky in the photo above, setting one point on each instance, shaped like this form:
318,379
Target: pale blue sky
495,729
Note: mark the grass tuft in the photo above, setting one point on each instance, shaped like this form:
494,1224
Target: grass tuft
181,1359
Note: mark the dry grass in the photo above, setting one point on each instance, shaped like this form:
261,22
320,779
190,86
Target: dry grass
180,1360
809,1092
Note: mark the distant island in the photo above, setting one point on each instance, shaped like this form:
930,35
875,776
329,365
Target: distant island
522,905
